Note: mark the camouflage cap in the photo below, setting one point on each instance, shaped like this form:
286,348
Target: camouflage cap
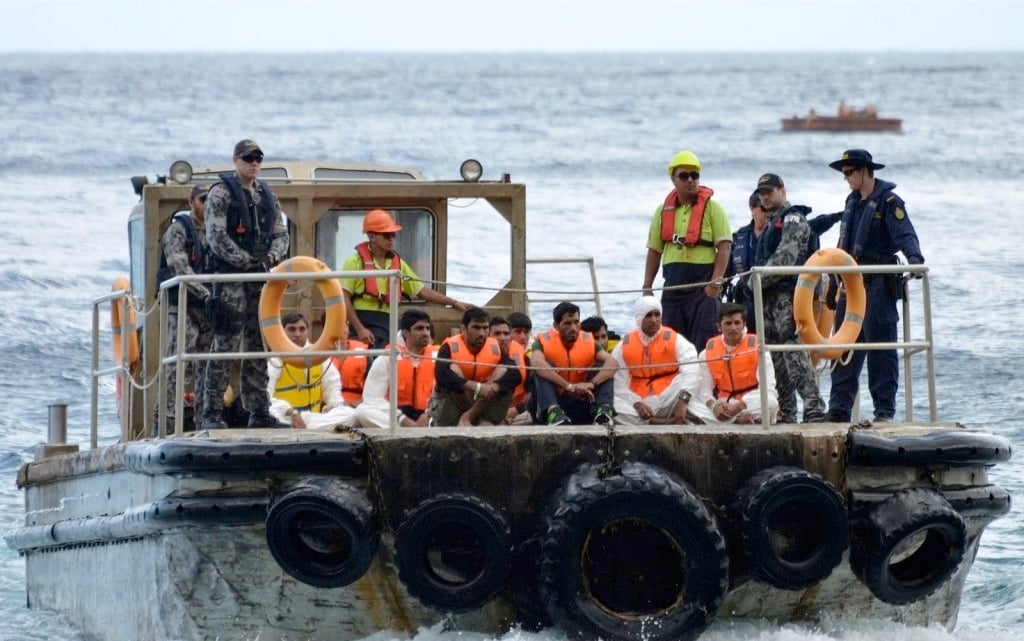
246,147
199,191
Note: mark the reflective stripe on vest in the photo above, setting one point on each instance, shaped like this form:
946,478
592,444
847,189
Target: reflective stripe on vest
415,379
300,387
352,369
668,219
370,288
475,367
734,373
651,367
581,356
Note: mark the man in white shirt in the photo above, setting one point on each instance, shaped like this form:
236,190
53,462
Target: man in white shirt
657,372
730,391
306,398
415,378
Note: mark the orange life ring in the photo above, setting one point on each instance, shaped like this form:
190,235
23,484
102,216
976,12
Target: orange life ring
824,319
270,312
118,309
803,303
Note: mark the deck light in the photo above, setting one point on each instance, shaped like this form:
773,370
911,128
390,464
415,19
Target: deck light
471,170
180,172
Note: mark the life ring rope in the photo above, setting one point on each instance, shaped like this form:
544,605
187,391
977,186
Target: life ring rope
334,313
803,303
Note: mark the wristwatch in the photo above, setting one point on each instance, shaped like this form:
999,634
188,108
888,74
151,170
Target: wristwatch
684,396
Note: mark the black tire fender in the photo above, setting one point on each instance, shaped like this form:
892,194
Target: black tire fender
794,527
323,532
907,546
634,555
454,552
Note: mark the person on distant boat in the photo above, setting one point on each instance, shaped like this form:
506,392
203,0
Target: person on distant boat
368,299
517,414
843,111
730,391
184,252
657,371
475,378
787,241
572,374
306,397
247,233
416,368
875,225
690,235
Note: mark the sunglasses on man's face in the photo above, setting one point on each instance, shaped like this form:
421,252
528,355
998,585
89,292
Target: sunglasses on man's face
683,175
258,158
850,172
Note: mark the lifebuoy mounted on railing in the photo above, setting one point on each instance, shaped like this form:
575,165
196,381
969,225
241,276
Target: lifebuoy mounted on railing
120,309
270,312
803,303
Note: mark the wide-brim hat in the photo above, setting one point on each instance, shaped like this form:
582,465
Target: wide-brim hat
855,158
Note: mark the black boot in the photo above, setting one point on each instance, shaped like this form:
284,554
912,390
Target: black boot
263,418
213,421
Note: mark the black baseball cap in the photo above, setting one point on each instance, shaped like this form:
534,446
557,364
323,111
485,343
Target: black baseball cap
769,181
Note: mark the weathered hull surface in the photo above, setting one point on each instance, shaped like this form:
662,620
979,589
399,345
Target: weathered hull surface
166,540
834,123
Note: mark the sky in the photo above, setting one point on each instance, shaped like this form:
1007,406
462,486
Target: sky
509,25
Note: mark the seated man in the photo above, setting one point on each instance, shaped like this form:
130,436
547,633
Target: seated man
598,327
415,366
572,377
474,377
729,387
306,398
657,372
517,414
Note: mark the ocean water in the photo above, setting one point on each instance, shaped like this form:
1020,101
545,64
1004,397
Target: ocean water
590,135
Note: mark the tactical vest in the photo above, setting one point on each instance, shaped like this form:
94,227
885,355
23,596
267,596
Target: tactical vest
196,258
250,229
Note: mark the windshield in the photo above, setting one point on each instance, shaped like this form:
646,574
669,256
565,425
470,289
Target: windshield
340,230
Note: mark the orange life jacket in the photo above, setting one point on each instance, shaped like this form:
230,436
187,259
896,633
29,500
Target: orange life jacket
475,367
353,372
415,384
370,288
734,373
518,353
580,355
651,368
668,218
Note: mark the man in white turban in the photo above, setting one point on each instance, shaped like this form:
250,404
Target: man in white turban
657,372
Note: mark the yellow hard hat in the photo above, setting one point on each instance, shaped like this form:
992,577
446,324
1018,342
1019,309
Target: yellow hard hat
685,157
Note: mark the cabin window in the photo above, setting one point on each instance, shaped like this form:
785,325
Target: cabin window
328,173
137,255
340,230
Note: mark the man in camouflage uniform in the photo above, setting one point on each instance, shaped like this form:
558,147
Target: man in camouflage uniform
247,234
787,240
184,252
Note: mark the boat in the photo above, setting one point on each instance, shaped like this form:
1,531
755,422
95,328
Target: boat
613,532
846,119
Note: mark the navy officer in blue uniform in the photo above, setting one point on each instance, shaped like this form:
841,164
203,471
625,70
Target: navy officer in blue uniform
874,226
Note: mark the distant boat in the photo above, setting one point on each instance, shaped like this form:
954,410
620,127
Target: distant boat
846,119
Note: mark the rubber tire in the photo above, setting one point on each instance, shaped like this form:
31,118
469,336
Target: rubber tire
586,508
451,513
807,503
318,501
895,520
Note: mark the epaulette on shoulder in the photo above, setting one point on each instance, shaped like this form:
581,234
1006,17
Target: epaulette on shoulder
890,198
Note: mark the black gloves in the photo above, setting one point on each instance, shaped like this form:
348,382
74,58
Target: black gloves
265,264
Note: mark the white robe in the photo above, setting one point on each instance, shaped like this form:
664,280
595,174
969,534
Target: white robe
663,404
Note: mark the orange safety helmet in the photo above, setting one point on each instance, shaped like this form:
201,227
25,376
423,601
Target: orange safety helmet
378,221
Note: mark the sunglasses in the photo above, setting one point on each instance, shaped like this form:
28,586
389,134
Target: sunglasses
850,172
683,175
253,158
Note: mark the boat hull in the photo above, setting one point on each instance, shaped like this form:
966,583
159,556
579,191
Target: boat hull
833,123
167,540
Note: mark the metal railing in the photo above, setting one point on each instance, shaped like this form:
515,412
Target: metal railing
595,297
909,346
181,357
